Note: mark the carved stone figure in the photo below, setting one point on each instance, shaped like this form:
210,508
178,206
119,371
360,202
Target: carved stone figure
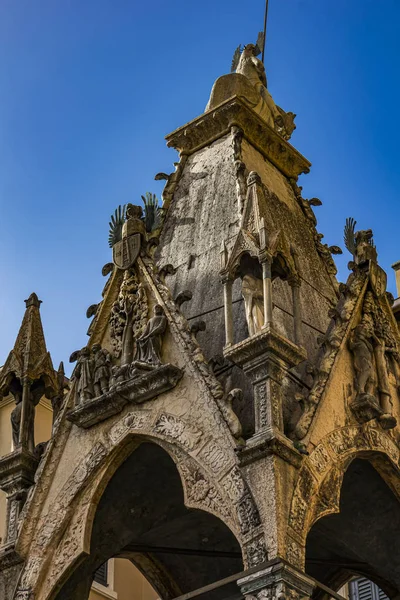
58,400
149,343
102,369
359,243
246,63
84,376
16,418
251,67
33,400
252,292
131,305
361,344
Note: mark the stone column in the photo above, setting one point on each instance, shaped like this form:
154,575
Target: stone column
17,472
268,397
297,319
267,292
228,283
265,359
278,580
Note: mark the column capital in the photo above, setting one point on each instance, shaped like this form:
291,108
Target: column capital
279,580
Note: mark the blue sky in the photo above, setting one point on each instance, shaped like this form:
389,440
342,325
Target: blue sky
89,89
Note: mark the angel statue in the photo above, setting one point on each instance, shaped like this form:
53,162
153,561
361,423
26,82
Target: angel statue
360,243
246,63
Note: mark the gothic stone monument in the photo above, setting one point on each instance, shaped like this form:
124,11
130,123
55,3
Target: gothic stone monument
231,425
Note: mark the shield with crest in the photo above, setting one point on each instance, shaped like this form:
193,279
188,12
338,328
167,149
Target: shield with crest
378,278
126,251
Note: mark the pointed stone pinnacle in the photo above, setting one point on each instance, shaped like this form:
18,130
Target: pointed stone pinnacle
33,300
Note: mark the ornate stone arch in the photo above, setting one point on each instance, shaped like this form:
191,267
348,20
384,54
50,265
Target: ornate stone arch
211,482
318,486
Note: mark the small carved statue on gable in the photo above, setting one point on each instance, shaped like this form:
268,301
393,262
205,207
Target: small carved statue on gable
83,373
361,344
370,365
148,349
252,292
101,369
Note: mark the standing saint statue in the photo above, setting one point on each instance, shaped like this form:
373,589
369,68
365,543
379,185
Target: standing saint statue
252,292
149,344
101,370
84,375
361,345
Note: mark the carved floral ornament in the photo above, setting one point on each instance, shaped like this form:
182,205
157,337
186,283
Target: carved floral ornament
66,528
317,491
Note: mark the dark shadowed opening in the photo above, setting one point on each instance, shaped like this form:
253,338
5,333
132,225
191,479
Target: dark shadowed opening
141,516
363,538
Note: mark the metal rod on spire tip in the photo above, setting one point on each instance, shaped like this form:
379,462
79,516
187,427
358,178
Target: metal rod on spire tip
265,29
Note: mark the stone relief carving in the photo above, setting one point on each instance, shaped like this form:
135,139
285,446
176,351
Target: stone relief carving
201,492
329,346
133,420
175,428
101,369
249,517
149,344
373,398
132,299
256,552
92,373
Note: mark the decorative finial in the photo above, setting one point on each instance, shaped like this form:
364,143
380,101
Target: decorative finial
33,300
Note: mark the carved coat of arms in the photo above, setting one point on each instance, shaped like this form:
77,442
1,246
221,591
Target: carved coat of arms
126,233
126,251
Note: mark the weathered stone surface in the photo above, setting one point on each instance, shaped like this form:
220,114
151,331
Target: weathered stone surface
225,465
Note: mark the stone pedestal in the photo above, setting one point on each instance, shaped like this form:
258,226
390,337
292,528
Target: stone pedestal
17,472
278,580
265,359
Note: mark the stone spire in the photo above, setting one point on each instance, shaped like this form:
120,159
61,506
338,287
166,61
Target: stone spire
28,368
28,374
29,357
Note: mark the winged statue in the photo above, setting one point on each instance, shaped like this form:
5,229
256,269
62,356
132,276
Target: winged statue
257,49
349,236
359,243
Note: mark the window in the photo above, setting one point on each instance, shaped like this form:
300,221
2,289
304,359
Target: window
363,589
101,575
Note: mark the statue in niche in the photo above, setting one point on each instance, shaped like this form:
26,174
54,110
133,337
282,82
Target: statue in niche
83,374
33,401
16,417
252,292
148,349
101,369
